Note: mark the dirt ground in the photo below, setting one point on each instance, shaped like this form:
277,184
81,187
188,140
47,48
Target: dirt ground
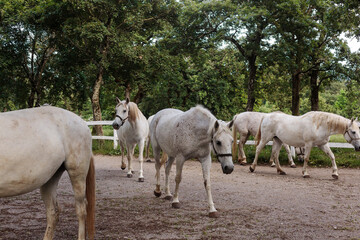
259,205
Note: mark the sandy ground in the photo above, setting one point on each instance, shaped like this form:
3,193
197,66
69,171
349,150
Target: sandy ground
259,205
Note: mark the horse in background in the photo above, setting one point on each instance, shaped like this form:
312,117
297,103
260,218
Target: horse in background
37,146
247,124
132,128
186,135
312,129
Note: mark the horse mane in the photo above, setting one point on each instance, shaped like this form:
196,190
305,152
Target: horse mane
134,112
333,121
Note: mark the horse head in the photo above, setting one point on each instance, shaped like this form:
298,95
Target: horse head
352,134
221,142
121,113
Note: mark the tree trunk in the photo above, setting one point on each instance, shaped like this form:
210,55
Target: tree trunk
127,91
314,98
295,108
95,101
251,83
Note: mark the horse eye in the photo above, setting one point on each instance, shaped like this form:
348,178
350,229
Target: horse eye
353,132
218,143
124,111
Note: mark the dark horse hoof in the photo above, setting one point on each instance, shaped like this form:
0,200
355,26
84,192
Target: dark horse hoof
148,160
157,194
129,175
123,168
251,169
175,205
168,198
141,179
282,173
213,214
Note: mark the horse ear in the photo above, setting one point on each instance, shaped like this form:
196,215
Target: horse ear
230,124
216,126
127,100
351,121
118,100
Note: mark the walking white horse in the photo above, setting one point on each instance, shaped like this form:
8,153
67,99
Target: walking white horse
247,124
309,130
185,135
37,145
147,142
132,128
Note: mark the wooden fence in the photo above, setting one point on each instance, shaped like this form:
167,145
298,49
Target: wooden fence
114,138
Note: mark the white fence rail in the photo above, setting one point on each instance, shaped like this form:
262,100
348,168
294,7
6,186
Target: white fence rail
114,138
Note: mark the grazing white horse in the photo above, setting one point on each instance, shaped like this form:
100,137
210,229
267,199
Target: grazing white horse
185,135
247,124
37,145
132,128
309,130
147,142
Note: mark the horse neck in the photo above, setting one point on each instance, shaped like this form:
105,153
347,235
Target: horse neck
336,124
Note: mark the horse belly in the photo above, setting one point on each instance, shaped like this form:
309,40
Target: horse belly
26,167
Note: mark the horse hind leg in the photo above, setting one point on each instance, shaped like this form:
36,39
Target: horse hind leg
169,163
48,195
179,166
157,152
242,156
277,144
258,150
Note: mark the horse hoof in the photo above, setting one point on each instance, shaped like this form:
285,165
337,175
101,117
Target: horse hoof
293,166
306,176
335,176
175,205
157,194
141,179
282,173
132,171
123,168
273,165
242,162
213,214
129,175
149,160
251,169
168,198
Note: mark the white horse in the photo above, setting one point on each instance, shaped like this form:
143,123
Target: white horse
37,145
309,130
185,135
132,128
147,142
247,124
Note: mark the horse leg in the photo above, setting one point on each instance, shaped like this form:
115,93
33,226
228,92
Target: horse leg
276,147
169,163
123,164
130,154
258,150
147,146
48,194
291,161
156,152
306,160
242,156
179,166
78,182
326,149
206,166
141,159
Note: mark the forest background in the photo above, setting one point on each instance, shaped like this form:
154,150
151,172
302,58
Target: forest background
230,56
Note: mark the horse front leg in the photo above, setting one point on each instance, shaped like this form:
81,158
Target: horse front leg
141,159
169,163
122,148
48,195
291,161
326,149
206,166
130,154
179,166
306,160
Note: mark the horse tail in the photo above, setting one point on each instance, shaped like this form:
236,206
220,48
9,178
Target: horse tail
90,197
164,157
258,134
234,146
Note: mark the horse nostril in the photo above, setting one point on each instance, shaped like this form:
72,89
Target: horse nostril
227,170
115,126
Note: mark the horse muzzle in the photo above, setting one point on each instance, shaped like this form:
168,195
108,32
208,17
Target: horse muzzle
357,148
228,169
115,125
